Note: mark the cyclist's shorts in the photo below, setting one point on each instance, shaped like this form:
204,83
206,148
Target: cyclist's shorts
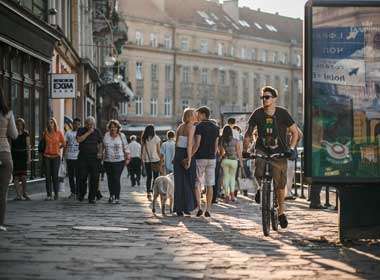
279,171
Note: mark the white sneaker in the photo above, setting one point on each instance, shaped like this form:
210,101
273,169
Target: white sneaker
3,228
117,201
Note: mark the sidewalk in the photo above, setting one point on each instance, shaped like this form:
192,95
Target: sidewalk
47,240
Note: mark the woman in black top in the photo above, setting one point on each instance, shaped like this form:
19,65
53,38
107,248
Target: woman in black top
21,158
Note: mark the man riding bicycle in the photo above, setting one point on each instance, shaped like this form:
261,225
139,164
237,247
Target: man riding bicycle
272,123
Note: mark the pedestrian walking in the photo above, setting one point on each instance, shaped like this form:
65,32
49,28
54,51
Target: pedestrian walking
20,148
135,163
71,152
7,130
229,149
204,150
90,152
167,152
184,165
54,142
116,156
151,156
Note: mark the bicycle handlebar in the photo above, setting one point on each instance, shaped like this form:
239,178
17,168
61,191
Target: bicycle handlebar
269,156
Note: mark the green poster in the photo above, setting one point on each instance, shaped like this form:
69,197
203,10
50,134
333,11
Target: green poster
345,99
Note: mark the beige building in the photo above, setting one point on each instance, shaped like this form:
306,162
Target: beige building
184,53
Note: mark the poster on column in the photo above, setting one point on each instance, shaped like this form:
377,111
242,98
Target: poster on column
344,102
63,86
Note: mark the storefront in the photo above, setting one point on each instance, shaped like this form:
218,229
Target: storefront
26,50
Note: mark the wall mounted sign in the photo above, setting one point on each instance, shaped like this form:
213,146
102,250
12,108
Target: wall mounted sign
63,86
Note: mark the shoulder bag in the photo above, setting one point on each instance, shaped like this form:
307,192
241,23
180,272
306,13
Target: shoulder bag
156,166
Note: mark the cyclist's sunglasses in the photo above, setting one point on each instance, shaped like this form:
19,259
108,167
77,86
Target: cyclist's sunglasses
266,97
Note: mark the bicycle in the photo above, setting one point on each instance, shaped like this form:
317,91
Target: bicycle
269,205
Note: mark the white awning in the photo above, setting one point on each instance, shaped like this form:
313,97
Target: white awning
133,128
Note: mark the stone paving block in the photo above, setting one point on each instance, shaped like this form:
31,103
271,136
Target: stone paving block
230,245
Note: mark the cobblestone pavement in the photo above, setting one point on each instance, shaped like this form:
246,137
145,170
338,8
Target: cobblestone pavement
44,242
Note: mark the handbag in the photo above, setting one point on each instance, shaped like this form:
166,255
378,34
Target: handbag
62,169
156,166
245,183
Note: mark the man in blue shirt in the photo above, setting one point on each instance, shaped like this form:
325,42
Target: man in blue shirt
167,151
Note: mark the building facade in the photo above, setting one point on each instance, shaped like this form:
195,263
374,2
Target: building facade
191,53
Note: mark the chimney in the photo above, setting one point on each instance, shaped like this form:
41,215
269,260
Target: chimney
231,8
160,4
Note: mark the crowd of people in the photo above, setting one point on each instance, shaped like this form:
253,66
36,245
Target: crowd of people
204,158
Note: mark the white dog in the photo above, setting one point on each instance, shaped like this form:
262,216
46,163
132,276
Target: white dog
164,187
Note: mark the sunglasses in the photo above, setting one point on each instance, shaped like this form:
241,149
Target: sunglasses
266,97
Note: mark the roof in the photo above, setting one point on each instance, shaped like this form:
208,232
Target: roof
210,15
143,9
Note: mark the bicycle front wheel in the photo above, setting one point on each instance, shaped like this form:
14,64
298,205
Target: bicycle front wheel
265,206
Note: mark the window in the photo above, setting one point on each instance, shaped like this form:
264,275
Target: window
90,108
168,107
185,104
264,57
245,80
204,46
139,71
153,40
186,74
258,26
154,72
275,57
123,107
222,77
243,53
233,79
153,106
139,38
184,44
232,51
286,84
253,54
267,80
220,49
298,60
204,76
139,106
168,73
168,41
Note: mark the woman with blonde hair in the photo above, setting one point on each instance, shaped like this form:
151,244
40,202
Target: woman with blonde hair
184,166
54,142
20,148
115,158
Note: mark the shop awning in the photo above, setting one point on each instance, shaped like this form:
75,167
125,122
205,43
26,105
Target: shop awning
135,128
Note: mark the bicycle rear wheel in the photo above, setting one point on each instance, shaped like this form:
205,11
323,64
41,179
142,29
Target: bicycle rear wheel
265,206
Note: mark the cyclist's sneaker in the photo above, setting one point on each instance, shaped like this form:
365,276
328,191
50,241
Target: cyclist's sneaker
283,221
257,197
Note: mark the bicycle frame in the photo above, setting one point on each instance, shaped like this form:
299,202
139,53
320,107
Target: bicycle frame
268,198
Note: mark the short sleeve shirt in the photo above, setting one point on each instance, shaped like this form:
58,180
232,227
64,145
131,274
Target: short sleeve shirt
271,129
115,147
54,142
209,132
72,148
149,150
89,147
